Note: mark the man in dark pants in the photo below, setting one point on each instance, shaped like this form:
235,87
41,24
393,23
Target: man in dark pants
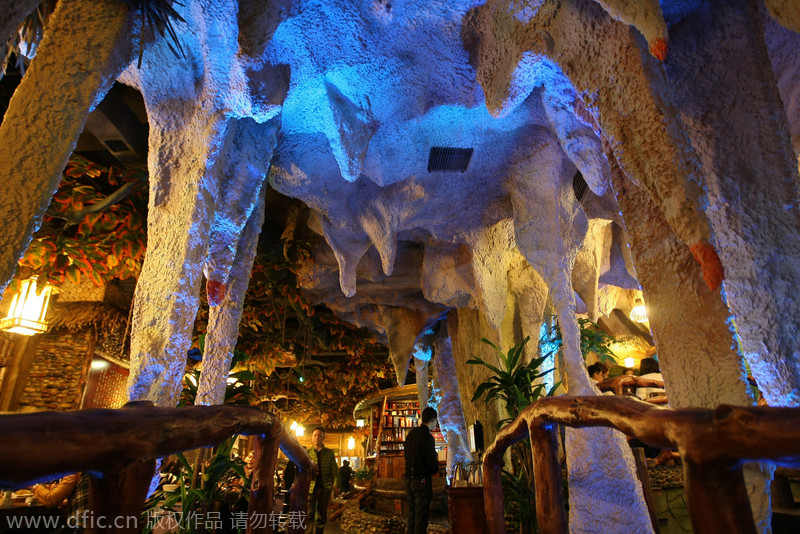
421,464
321,487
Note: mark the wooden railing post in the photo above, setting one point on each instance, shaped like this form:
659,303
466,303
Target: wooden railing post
550,512
298,501
493,493
116,500
717,497
260,516
644,478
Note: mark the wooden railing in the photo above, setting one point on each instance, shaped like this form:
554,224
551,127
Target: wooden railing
119,448
712,443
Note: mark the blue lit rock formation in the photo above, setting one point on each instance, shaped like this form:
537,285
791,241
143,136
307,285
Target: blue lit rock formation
339,103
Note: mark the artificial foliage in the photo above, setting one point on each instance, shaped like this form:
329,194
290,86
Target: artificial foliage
305,362
204,495
593,339
516,384
308,364
95,227
158,18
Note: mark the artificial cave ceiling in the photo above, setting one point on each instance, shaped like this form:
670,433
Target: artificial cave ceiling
339,105
681,117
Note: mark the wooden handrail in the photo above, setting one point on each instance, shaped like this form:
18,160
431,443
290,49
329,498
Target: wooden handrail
713,444
617,383
119,449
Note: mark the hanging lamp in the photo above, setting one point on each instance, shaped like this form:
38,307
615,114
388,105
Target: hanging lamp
28,309
638,312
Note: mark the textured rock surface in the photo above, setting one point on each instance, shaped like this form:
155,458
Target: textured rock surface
751,179
82,53
786,12
451,413
353,96
696,351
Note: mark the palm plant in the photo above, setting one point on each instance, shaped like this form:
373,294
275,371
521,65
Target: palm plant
201,488
157,20
516,385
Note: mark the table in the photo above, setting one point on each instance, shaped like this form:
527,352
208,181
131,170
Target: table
23,518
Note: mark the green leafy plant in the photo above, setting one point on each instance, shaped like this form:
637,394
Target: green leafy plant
516,385
203,487
237,392
593,339
513,383
364,475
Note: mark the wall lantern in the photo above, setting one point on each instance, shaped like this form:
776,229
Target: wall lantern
351,443
28,309
639,312
299,429
360,423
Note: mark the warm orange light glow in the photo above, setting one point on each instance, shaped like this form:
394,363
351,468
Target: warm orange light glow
639,312
629,363
351,443
26,315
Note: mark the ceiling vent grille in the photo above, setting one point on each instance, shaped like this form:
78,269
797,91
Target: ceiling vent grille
579,187
449,159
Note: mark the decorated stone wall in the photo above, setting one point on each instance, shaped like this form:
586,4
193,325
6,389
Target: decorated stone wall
57,377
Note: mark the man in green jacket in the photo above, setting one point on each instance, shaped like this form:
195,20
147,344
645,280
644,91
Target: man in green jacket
321,487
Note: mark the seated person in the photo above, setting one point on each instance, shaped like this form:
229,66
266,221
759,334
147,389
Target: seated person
289,474
55,495
649,369
598,371
70,495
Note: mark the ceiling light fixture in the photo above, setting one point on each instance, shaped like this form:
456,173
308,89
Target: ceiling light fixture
638,312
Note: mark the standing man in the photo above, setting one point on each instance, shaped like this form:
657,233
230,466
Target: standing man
321,487
421,464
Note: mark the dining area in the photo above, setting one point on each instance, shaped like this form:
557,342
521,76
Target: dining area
21,511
